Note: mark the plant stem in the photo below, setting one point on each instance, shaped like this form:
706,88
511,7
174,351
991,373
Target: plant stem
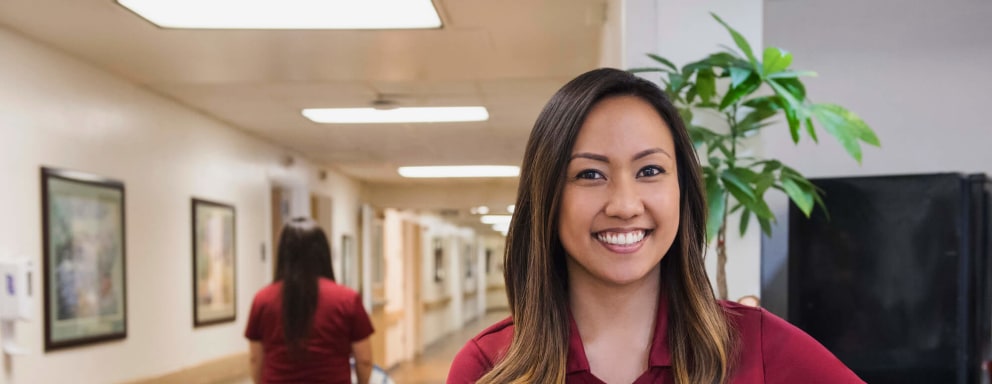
721,261
721,238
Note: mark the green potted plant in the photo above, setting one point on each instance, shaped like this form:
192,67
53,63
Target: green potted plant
758,91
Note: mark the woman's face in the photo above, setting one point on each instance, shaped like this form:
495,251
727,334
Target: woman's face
620,205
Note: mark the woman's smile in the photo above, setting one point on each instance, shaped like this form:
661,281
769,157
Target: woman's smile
622,241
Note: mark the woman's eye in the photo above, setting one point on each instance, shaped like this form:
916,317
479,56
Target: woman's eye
589,174
650,171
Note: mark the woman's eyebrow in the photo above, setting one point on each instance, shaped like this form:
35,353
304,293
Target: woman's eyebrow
591,156
650,151
601,158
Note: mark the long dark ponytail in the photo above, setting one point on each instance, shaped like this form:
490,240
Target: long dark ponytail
304,256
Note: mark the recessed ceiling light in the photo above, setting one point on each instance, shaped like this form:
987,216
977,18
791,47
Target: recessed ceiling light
496,219
461,171
501,227
287,14
396,115
510,208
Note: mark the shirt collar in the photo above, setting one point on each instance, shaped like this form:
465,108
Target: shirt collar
658,357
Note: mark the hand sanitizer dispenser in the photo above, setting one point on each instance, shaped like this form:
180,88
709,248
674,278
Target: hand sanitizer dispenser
16,299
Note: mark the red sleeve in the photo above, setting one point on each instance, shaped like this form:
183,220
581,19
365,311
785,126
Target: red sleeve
361,326
253,331
469,365
792,356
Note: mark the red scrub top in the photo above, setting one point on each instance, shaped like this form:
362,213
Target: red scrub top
771,351
339,320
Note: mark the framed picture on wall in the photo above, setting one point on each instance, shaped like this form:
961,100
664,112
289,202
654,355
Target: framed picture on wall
84,254
214,259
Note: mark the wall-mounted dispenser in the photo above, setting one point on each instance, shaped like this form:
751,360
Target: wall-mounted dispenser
16,299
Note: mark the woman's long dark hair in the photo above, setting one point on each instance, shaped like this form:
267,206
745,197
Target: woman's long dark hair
304,257
700,338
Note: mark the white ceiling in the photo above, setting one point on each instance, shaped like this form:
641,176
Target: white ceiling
507,55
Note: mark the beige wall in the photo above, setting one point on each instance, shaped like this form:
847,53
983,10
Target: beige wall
56,111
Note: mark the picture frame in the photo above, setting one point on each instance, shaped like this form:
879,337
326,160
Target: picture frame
84,255
214,262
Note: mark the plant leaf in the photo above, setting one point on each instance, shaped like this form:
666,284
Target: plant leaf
663,61
753,118
846,127
792,74
775,60
744,174
676,81
686,115
766,226
745,88
716,203
802,198
745,218
740,41
737,187
810,130
792,85
784,95
690,95
706,84
769,166
738,75
773,103
758,206
792,117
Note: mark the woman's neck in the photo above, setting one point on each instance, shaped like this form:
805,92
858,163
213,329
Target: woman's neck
616,323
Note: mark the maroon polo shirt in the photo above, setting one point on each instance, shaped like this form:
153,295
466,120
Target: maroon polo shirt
771,351
338,321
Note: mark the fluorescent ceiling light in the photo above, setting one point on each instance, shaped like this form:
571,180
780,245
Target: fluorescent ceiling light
502,227
396,115
496,219
287,14
461,171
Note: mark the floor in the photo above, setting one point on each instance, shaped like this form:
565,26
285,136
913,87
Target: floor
432,366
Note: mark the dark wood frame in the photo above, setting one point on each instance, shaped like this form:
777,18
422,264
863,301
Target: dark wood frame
47,253
195,202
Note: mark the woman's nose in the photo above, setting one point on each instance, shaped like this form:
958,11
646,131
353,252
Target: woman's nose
624,200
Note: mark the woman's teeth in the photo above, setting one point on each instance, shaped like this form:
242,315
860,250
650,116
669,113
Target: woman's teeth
621,238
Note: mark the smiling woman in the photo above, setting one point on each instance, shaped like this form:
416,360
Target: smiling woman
604,260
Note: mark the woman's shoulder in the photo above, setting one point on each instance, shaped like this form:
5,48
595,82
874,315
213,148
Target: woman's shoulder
333,287
494,340
781,350
481,353
269,291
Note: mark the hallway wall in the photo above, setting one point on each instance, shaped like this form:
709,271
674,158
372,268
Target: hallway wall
57,111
